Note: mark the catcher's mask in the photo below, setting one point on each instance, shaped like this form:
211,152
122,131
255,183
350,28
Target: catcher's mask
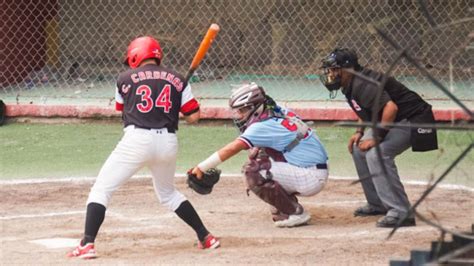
247,104
143,48
332,64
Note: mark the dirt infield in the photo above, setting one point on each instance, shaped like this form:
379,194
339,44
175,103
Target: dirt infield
138,230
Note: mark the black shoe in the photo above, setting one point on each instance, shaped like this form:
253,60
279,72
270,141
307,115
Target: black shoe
391,222
368,210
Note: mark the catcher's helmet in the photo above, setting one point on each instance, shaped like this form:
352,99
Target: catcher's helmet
142,48
247,103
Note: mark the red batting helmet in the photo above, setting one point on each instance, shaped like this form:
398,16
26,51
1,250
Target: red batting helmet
142,48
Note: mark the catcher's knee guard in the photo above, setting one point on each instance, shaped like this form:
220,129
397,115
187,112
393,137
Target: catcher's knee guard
269,190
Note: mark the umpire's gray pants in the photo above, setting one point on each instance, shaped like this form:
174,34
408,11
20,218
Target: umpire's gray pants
384,192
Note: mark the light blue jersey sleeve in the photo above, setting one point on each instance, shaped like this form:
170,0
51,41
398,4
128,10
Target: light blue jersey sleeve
272,133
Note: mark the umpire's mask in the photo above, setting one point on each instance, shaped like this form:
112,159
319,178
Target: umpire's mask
331,78
332,64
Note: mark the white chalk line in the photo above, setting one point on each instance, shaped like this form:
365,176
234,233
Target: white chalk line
414,182
60,242
90,179
155,222
151,217
374,234
332,203
354,232
70,213
42,215
357,232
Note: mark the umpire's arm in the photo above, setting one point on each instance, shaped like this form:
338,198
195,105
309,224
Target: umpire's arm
389,113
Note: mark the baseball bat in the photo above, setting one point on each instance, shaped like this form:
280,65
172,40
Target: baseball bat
202,50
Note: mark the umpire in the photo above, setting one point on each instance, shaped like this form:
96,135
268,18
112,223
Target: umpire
385,194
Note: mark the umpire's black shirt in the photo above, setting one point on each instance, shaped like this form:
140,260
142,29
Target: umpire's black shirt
361,96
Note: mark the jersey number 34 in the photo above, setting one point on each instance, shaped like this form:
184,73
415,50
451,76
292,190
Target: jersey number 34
162,101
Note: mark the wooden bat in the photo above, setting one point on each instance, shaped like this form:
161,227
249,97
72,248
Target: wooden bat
202,50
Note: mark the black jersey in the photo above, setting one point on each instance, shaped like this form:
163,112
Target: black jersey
152,96
361,96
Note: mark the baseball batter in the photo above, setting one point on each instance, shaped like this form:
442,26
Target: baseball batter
150,97
286,160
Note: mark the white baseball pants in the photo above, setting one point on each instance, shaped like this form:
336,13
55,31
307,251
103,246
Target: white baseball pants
154,148
304,181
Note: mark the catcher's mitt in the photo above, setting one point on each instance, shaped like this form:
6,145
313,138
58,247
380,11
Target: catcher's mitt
206,183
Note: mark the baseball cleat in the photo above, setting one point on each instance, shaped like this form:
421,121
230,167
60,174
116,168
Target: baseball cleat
391,222
83,252
210,242
368,210
294,220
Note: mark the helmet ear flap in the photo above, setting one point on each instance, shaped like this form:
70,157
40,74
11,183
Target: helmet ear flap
133,60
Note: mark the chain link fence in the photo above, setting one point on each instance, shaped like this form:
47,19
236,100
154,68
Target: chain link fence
58,50
70,51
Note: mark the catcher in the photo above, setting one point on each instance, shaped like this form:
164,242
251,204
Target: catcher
286,157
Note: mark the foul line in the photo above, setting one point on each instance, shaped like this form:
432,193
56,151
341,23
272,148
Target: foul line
90,179
51,214
161,216
54,214
414,182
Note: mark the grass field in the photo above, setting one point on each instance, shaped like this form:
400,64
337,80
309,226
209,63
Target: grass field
36,150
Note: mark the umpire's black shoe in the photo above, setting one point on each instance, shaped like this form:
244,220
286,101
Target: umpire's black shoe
368,210
391,222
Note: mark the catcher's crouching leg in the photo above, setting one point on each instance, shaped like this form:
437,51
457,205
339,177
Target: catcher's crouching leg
277,215
271,192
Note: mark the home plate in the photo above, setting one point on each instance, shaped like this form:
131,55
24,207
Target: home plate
56,242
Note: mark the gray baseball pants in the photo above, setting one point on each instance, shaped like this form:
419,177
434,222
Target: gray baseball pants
384,192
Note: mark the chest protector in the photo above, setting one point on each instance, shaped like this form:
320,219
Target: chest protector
302,130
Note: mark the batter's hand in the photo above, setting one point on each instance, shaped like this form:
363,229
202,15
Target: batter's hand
196,171
367,144
354,139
